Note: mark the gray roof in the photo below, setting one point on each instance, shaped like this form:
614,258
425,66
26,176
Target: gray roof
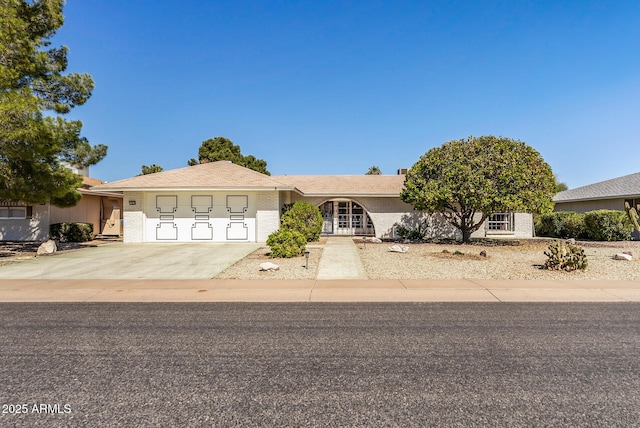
622,187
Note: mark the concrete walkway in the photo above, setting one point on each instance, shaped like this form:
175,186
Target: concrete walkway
340,260
462,290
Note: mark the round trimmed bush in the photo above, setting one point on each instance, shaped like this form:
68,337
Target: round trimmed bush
561,224
286,243
303,217
608,225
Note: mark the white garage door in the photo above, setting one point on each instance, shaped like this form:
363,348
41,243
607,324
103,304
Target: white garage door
182,217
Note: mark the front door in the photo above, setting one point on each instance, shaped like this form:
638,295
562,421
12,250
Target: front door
327,216
110,217
345,218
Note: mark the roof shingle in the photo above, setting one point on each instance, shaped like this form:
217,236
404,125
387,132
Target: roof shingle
346,185
621,187
220,175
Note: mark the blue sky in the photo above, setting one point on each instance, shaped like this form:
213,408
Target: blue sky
334,87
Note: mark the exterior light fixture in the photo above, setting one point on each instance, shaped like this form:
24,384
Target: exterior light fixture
306,255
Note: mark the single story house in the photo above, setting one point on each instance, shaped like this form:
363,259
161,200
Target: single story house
24,222
609,195
223,202
604,195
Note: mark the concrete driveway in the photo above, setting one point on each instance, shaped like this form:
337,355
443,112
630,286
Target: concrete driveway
133,261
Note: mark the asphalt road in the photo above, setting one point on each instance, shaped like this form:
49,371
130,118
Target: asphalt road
218,364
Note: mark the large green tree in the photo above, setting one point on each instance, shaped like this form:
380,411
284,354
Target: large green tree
151,169
35,141
470,179
221,148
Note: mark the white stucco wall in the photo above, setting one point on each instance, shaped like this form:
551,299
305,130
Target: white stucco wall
385,213
388,213
522,228
586,206
35,228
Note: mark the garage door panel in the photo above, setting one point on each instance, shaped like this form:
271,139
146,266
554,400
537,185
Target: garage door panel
166,231
202,231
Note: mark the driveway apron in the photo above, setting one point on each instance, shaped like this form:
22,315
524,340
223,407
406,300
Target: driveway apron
133,261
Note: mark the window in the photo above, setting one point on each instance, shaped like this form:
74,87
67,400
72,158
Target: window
13,212
500,222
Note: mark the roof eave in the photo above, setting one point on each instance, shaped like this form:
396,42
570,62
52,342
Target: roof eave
351,195
599,198
195,189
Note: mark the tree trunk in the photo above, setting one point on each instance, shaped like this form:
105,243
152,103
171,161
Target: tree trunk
466,236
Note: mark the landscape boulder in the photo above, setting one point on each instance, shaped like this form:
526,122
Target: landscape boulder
375,240
48,247
268,266
398,248
623,256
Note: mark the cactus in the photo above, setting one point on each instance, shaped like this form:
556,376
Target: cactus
633,214
564,256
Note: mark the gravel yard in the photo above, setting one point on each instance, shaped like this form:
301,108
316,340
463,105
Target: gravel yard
249,267
427,261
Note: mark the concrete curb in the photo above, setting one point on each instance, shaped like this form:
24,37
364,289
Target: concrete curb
215,290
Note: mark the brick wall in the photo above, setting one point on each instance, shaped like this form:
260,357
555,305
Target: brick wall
133,217
267,215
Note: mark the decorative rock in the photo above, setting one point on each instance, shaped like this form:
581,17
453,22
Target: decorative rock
375,240
268,266
48,247
483,253
623,256
570,241
398,248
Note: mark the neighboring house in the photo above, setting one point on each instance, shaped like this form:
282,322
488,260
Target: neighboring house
605,195
224,202
24,222
609,195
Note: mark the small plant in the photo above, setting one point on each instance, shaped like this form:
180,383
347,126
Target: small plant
71,232
632,213
414,233
567,257
286,243
458,253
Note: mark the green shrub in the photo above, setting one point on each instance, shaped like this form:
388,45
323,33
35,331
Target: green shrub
608,225
574,226
71,232
567,257
302,217
561,224
414,233
286,243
